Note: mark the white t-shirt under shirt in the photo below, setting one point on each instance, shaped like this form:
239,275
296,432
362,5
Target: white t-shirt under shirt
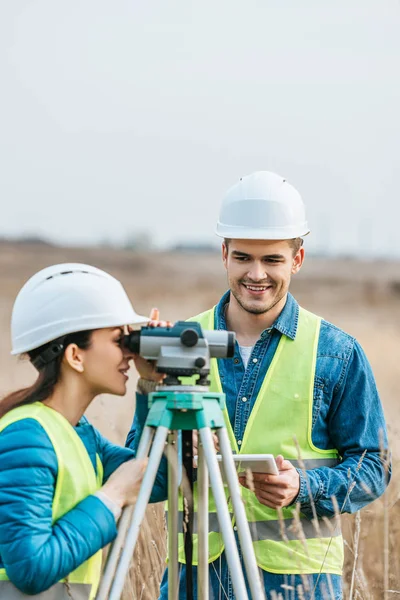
245,353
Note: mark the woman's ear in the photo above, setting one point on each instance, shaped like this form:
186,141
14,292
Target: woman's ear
74,357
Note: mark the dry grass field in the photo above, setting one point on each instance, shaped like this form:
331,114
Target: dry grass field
361,297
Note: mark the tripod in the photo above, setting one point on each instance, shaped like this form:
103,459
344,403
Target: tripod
186,408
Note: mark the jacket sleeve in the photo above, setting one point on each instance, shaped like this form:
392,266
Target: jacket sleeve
35,552
112,455
357,429
160,488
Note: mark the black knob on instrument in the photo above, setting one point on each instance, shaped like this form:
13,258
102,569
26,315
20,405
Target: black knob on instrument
189,337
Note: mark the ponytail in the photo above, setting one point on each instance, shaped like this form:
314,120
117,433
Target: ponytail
49,374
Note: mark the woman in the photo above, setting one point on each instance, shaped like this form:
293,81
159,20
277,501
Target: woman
62,485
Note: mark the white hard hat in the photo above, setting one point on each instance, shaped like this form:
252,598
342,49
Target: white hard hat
262,206
64,299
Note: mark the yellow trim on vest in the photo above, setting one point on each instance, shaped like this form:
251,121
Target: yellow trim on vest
76,477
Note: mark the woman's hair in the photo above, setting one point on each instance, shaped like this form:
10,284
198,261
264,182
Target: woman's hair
49,374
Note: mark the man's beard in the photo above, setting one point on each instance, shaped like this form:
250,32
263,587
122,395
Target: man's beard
258,310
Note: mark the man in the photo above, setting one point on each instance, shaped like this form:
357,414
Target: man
298,387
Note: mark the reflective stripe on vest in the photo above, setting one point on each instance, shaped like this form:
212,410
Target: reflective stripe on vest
282,413
213,524
314,463
76,479
271,530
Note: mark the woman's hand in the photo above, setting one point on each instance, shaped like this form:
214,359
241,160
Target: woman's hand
147,368
196,445
123,485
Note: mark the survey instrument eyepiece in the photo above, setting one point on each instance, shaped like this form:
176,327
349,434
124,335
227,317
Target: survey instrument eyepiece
184,349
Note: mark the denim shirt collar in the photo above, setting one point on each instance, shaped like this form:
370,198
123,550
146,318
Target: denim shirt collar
286,323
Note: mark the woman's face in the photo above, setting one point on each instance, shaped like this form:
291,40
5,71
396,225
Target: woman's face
106,362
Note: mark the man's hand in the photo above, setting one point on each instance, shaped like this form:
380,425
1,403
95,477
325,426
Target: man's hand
275,491
147,368
196,444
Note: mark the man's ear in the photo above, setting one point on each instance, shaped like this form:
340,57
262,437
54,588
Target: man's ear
225,254
298,260
74,357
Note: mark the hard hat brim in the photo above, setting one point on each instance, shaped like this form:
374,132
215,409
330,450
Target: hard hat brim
246,233
97,323
139,319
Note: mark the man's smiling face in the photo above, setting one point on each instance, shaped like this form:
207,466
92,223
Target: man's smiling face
259,271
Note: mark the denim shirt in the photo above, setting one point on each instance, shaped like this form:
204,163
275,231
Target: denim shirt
347,413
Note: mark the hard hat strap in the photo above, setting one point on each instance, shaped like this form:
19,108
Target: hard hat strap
51,353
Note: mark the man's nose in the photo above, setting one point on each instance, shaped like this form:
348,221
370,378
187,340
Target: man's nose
257,271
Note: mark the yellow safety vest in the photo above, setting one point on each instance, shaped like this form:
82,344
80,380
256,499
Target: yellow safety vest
282,413
76,479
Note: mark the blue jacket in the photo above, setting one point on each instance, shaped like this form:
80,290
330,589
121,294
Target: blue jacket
347,413
35,553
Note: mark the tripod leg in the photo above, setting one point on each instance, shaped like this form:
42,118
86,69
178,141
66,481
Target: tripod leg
173,509
202,526
139,512
224,519
252,570
126,518
187,463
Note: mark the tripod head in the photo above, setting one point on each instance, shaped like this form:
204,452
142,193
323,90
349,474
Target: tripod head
182,350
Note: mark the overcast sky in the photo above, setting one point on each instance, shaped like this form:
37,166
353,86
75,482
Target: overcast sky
124,116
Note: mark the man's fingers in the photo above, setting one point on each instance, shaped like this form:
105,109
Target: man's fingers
265,486
216,441
273,483
282,464
265,478
155,319
154,314
195,439
268,500
162,324
196,442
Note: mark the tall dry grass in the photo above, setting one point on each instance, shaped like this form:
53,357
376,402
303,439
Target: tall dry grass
148,563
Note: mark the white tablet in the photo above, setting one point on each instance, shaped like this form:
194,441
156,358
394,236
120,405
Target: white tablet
257,463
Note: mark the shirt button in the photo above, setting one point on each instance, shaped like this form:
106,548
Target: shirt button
254,360
236,360
235,528
244,399
239,442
